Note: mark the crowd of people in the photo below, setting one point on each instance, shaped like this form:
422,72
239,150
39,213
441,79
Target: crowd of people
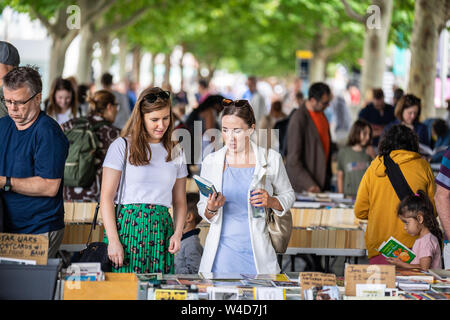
137,171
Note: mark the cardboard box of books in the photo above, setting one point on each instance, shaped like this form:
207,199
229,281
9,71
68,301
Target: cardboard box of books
392,248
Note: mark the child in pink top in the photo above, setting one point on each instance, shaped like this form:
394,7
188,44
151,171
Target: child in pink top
417,213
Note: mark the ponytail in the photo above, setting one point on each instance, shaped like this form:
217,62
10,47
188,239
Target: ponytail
412,205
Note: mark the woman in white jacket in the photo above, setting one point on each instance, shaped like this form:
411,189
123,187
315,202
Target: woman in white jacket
237,241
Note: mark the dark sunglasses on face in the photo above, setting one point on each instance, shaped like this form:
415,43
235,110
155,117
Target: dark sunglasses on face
163,95
236,103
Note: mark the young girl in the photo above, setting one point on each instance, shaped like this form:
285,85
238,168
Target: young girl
417,213
355,158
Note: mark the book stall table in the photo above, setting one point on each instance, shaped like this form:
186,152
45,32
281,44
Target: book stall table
390,284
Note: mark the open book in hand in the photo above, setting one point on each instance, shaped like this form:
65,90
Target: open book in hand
427,151
392,248
205,186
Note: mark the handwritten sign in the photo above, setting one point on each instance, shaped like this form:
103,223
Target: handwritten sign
24,246
309,280
368,274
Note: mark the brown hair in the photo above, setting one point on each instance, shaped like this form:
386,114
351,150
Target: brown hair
378,93
244,112
140,151
192,199
405,102
62,84
100,100
354,137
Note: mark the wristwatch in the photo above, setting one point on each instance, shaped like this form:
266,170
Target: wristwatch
7,186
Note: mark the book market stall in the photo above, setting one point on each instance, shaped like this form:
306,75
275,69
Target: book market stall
323,226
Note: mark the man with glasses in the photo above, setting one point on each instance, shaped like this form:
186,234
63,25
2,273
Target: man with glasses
9,59
33,152
308,161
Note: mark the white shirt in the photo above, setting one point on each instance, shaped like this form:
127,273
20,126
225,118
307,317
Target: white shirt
64,117
152,183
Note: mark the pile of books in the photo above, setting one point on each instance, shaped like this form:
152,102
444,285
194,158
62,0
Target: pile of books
88,271
213,286
323,200
416,284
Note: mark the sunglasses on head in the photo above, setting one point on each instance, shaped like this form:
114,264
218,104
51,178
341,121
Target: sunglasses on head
163,95
236,103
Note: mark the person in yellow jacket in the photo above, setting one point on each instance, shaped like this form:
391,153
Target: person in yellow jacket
376,200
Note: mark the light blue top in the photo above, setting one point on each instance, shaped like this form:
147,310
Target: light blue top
234,253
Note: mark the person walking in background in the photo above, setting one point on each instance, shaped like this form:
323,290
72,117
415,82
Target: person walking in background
442,199
238,240
353,160
9,59
398,93
407,112
268,138
141,238
187,260
255,98
33,152
378,114
377,201
123,108
62,103
308,160
282,125
103,112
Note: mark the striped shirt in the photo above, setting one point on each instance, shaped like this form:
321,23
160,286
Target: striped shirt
443,178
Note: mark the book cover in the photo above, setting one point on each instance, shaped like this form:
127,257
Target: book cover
205,186
392,248
440,274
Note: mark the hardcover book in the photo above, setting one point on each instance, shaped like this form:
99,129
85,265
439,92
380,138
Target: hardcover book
205,186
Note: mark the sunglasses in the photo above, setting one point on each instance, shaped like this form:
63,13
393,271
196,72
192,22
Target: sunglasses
152,97
236,103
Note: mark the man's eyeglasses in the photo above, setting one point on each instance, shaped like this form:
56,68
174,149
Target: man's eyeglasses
236,103
163,95
9,103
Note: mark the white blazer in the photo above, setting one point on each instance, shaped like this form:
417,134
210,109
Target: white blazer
277,185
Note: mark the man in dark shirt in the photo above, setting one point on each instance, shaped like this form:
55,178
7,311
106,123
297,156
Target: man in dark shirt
32,158
378,114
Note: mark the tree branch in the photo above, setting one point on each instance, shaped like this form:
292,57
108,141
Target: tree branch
50,27
336,49
121,23
97,11
352,13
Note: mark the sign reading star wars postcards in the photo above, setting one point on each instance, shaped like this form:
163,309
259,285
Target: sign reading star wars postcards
368,274
24,247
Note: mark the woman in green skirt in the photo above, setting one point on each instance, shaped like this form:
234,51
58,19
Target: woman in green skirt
142,238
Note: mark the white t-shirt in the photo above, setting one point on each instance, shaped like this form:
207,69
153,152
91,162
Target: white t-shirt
152,183
64,117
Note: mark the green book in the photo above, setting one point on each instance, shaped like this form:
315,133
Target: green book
392,248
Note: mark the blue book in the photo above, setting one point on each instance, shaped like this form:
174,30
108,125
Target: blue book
205,186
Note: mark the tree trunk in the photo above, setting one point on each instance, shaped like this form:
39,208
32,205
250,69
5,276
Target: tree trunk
429,20
152,70
135,76
375,47
84,69
105,45
57,59
167,65
318,62
123,58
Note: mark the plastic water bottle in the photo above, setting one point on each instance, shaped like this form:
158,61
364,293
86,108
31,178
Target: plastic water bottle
258,212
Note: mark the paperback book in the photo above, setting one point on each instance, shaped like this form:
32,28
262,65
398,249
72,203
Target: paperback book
392,248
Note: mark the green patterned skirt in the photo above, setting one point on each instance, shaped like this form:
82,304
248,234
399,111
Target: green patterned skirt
144,231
